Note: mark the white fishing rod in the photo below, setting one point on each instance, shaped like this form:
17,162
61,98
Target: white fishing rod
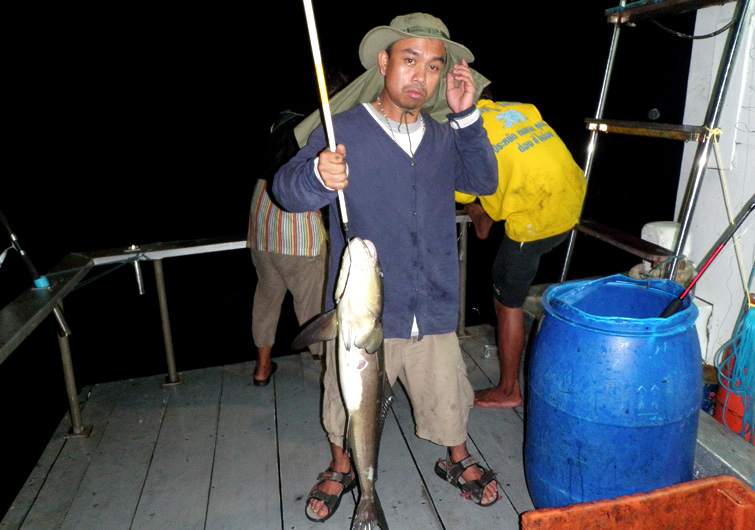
328,121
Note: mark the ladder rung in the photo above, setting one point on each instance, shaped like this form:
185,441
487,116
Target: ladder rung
687,133
651,8
646,250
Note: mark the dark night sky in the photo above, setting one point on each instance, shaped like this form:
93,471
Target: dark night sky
136,124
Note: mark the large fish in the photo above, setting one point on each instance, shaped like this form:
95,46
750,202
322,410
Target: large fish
356,324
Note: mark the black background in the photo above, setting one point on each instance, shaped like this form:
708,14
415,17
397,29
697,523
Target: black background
135,124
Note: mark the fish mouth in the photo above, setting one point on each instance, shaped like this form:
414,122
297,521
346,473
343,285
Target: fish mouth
363,254
370,246
367,246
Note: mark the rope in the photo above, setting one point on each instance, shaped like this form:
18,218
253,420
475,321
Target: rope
735,362
715,133
693,37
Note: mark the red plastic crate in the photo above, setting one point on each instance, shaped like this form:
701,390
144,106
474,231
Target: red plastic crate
721,502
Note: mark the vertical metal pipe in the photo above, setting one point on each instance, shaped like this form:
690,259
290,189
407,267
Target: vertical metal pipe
594,134
77,425
461,328
58,312
172,377
718,94
139,279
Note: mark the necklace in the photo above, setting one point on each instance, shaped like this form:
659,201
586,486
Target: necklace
408,135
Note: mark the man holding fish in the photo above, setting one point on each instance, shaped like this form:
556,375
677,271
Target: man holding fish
398,169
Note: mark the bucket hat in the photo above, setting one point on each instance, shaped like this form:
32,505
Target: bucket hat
414,25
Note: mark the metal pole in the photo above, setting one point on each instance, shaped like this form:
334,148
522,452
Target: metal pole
728,57
78,430
594,134
461,329
173,378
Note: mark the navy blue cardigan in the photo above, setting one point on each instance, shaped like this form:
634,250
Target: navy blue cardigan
407,211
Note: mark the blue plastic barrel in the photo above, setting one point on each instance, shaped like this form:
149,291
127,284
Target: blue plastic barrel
614,392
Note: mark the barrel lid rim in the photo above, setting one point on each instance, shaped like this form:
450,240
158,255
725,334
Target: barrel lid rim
554,303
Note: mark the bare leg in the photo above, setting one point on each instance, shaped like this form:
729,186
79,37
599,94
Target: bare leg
481,220
458,453
264,363
510,336
341,464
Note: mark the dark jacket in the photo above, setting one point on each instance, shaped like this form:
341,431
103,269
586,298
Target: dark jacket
407,211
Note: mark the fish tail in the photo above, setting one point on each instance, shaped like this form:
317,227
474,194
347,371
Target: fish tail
369,514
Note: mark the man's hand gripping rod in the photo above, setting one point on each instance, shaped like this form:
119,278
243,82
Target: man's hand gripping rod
328,121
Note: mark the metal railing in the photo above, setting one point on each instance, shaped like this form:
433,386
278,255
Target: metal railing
22,316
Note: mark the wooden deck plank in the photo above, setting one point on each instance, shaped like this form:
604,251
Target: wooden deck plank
303,447
402,492
400,489
62,483
109,493
454,511
498,433
24,501
177,486
228,455
244,492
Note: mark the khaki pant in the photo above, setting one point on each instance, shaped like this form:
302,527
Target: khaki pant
435,378
277,273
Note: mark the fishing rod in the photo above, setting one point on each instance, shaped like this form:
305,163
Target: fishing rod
40,282
676,303
328,121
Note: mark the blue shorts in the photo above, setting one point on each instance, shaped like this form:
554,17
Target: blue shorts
516,265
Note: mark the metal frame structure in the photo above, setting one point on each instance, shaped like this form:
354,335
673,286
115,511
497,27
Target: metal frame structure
22,316
628,13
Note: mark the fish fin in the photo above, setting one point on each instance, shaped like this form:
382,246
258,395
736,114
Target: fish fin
385,404
369,512
324,327
371,340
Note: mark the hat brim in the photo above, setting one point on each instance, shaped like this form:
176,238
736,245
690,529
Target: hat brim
378,39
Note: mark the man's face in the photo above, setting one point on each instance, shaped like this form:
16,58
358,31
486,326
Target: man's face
412,71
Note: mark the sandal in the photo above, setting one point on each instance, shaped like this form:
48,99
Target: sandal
473,489
331,501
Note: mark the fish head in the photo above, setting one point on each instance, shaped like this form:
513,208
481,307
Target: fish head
360,279
359,293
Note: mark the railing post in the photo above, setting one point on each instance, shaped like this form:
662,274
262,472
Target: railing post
173,377
461,328
78,429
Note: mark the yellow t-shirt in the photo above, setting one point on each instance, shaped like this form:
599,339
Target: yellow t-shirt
540,186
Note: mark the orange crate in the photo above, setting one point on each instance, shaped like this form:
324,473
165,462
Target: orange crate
722,502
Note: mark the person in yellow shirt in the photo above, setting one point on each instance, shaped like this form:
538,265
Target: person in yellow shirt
539,198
